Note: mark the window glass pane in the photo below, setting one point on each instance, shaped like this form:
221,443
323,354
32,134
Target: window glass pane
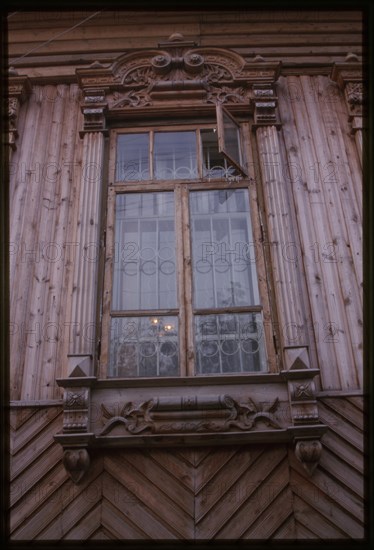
144,346
223,252
232,138
144,263
132,157
229,343
175,155
214,163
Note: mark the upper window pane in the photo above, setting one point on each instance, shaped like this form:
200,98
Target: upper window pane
214,163
132,157
175,155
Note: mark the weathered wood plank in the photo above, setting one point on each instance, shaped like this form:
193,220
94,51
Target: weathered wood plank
134,513
272,514
274,481
344,409
233,496
162,479
116,528
325,508
149,494
87,526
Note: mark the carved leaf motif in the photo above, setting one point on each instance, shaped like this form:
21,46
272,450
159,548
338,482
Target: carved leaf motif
243,416
139,98
225,94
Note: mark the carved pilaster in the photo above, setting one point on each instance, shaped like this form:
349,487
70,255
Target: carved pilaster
18,89
83,346
349,77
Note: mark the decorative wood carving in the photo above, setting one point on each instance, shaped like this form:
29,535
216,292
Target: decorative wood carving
309,453
18,89
349,77
179,71
76,463
93,108
303,403
189,414
76,407
265,103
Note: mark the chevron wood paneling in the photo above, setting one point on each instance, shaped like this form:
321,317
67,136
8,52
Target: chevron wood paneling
330,503
249,492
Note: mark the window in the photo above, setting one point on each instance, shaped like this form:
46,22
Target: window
181,291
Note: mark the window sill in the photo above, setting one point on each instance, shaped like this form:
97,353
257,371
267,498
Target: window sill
182,381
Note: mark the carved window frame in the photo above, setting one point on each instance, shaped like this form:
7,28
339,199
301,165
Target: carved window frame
276,406
181,189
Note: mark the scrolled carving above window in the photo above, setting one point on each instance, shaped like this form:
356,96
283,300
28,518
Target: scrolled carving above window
181,71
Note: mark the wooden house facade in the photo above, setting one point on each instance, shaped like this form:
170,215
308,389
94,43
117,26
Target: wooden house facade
186,275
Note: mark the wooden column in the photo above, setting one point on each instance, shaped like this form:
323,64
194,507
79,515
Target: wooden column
348,76
299,365
18,89
282,238
85,279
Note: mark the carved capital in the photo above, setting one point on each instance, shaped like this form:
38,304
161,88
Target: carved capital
349,77
76,410
18,89
265,105
308,452
76,463
94,107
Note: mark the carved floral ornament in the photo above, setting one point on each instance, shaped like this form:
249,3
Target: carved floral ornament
178,70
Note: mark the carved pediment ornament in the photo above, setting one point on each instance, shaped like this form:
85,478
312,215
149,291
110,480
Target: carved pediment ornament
181,70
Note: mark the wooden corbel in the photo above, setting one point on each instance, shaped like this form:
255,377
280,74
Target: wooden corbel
307,429
76,437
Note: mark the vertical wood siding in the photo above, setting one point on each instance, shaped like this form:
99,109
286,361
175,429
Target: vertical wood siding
326,182
45,170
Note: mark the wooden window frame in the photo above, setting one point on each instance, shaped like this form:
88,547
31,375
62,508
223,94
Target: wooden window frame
186,311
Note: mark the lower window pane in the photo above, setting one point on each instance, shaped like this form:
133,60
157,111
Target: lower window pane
229,343
144,346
